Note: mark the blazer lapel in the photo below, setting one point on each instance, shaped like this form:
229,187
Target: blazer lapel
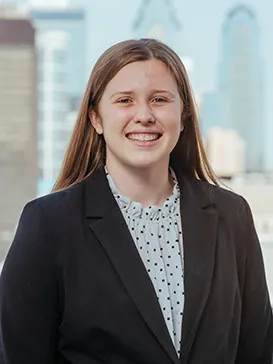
107,223
199,225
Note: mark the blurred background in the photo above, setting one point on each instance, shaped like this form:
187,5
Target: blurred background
47,51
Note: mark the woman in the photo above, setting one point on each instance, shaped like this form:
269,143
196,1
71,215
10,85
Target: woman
138,257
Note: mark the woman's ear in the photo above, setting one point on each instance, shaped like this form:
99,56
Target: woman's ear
183,119
182,125
95,121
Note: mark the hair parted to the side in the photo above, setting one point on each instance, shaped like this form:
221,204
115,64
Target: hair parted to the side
86,151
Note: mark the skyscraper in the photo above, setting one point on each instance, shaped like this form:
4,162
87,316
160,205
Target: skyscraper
61,78
161,24
210,112
241,87
18,103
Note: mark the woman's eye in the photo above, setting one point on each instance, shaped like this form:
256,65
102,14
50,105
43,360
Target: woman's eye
124,101
158,99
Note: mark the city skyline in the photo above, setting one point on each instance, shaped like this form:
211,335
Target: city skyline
200,39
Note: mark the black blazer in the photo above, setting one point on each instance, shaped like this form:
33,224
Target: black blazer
74,289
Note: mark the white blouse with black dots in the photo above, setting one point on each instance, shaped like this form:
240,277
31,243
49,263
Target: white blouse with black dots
157,233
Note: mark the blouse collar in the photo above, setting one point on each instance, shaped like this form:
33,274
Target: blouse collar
135,209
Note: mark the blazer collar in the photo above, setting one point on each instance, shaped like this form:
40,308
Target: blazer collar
99,198
199,225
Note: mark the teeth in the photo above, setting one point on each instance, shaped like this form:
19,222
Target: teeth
143,137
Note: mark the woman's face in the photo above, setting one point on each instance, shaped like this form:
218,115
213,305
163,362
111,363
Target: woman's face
139,116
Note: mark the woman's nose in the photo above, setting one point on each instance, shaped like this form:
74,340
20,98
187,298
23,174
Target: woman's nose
144,115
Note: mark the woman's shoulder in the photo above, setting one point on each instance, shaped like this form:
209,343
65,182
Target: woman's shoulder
57,204
232,209
223,198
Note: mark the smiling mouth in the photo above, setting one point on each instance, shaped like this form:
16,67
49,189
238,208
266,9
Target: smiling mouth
144,137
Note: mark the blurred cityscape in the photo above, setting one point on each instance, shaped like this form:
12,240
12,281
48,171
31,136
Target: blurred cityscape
45,54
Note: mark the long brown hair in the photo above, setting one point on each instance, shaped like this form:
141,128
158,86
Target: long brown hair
86,150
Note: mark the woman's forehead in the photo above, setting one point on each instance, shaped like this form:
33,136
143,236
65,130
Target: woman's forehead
137,75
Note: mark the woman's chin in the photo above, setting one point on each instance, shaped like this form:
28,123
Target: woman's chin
148,163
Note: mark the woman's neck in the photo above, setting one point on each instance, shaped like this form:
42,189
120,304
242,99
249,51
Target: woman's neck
149,187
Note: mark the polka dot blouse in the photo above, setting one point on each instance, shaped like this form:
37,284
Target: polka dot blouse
157,233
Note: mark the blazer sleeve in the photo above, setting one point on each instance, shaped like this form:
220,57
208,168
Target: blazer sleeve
256,334
28,293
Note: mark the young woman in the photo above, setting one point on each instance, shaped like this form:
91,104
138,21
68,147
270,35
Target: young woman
138,256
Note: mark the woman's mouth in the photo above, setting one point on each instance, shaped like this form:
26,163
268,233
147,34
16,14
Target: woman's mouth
144,139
